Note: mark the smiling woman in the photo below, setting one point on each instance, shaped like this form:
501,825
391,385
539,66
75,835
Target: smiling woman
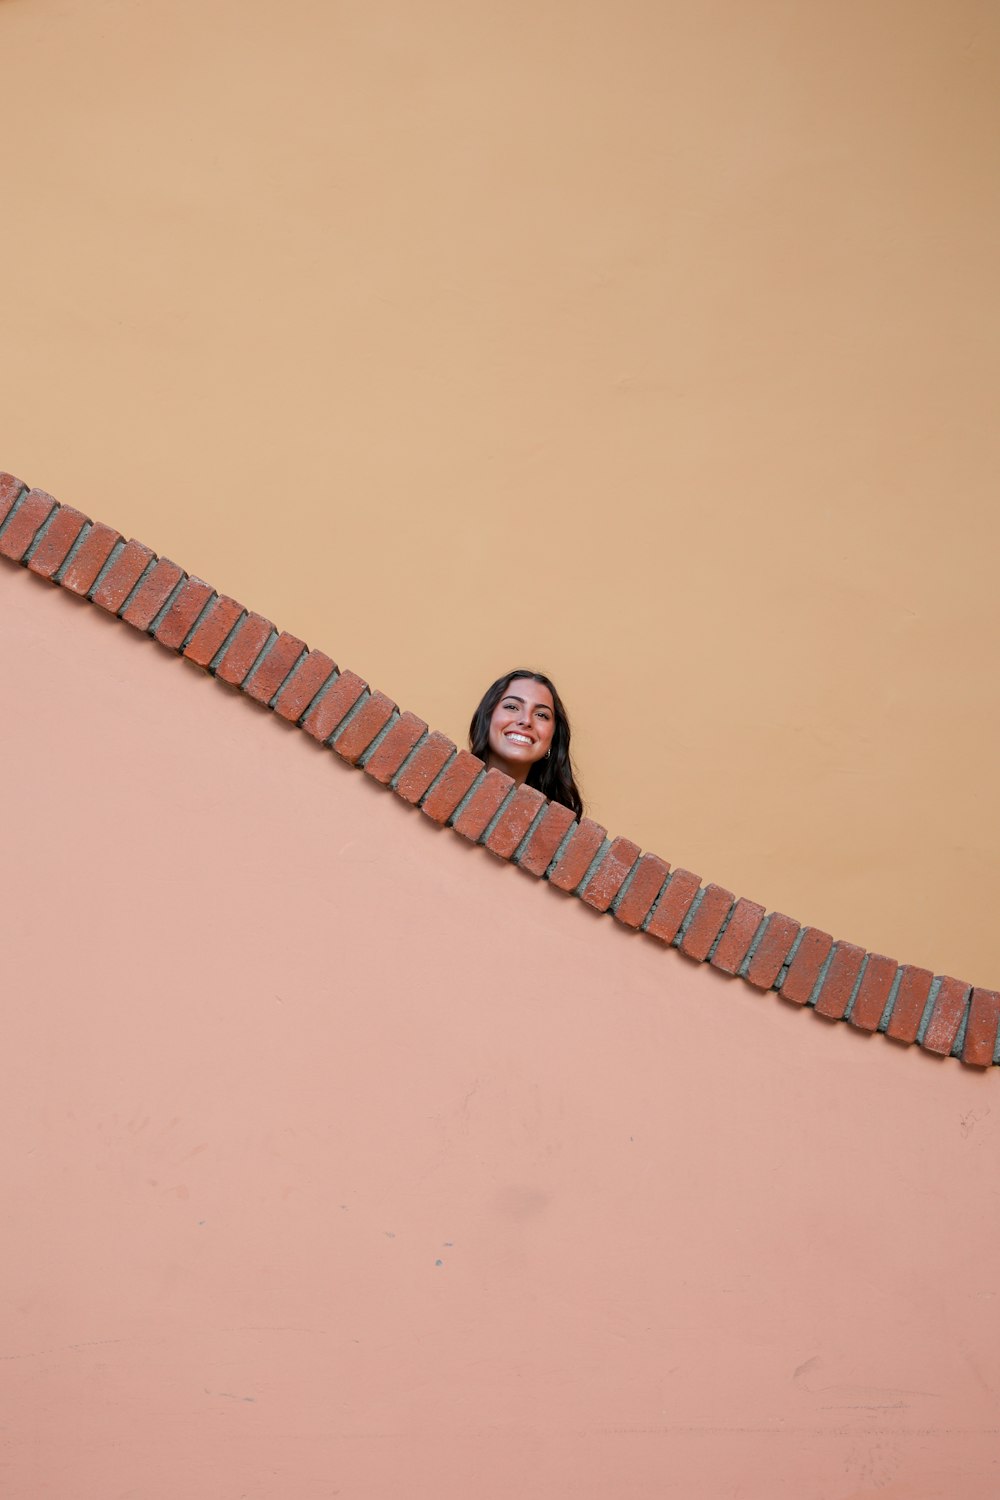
522,728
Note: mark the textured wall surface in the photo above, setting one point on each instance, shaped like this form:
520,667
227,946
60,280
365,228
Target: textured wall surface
655,342
342,1159
362,725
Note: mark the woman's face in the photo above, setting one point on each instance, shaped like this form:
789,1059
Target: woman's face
522,726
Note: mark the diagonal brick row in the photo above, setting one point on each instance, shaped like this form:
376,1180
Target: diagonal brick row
365,729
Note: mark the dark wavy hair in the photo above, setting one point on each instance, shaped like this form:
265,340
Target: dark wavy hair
553,776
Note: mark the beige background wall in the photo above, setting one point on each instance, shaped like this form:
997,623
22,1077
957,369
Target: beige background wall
343,1160
653,343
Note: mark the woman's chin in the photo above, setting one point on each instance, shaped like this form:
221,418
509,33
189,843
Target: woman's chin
517,765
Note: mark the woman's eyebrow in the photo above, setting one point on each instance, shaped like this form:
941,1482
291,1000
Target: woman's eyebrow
513,698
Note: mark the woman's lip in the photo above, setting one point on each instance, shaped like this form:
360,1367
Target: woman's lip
522,739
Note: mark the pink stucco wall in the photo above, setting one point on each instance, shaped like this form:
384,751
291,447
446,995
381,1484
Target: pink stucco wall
340,1160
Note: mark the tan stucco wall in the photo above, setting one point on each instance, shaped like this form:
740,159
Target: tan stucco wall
339,1158
655,344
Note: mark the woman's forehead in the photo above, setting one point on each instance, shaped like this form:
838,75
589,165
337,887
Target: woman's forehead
533,694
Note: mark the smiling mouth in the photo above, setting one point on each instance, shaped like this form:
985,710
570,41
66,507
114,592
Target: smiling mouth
519,739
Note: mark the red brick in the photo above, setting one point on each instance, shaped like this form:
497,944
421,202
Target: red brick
981,1032
370,719
265,680
50,554
247,644
10,488
611,874
417,775
97,546
706,922
804,969
301,688
173,629
456,779
738,936
908,1007
772,950
207,640
674,905
517,818
335,704
152,594
644,887
484,804
36,508
946,1017
384,762
122,577
838,986
874,992
552,828
578,855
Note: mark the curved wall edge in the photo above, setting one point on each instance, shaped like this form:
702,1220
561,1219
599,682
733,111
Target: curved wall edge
839,980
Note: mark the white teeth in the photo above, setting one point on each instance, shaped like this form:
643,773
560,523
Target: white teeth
519,739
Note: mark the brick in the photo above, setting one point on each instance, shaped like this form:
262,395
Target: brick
735,941
705,924
244,649
417,775
804,969
611,874
772,950
674,905
552,828
301,688
10,488
152,594
644,887
122,577
173,629
50,554
981,1032
578,855
207,640
838,986
36,508
908,1008
874,992
483,806
335,704
384,762
370,719
97,546
456,779
516,819
265,680
946,1017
